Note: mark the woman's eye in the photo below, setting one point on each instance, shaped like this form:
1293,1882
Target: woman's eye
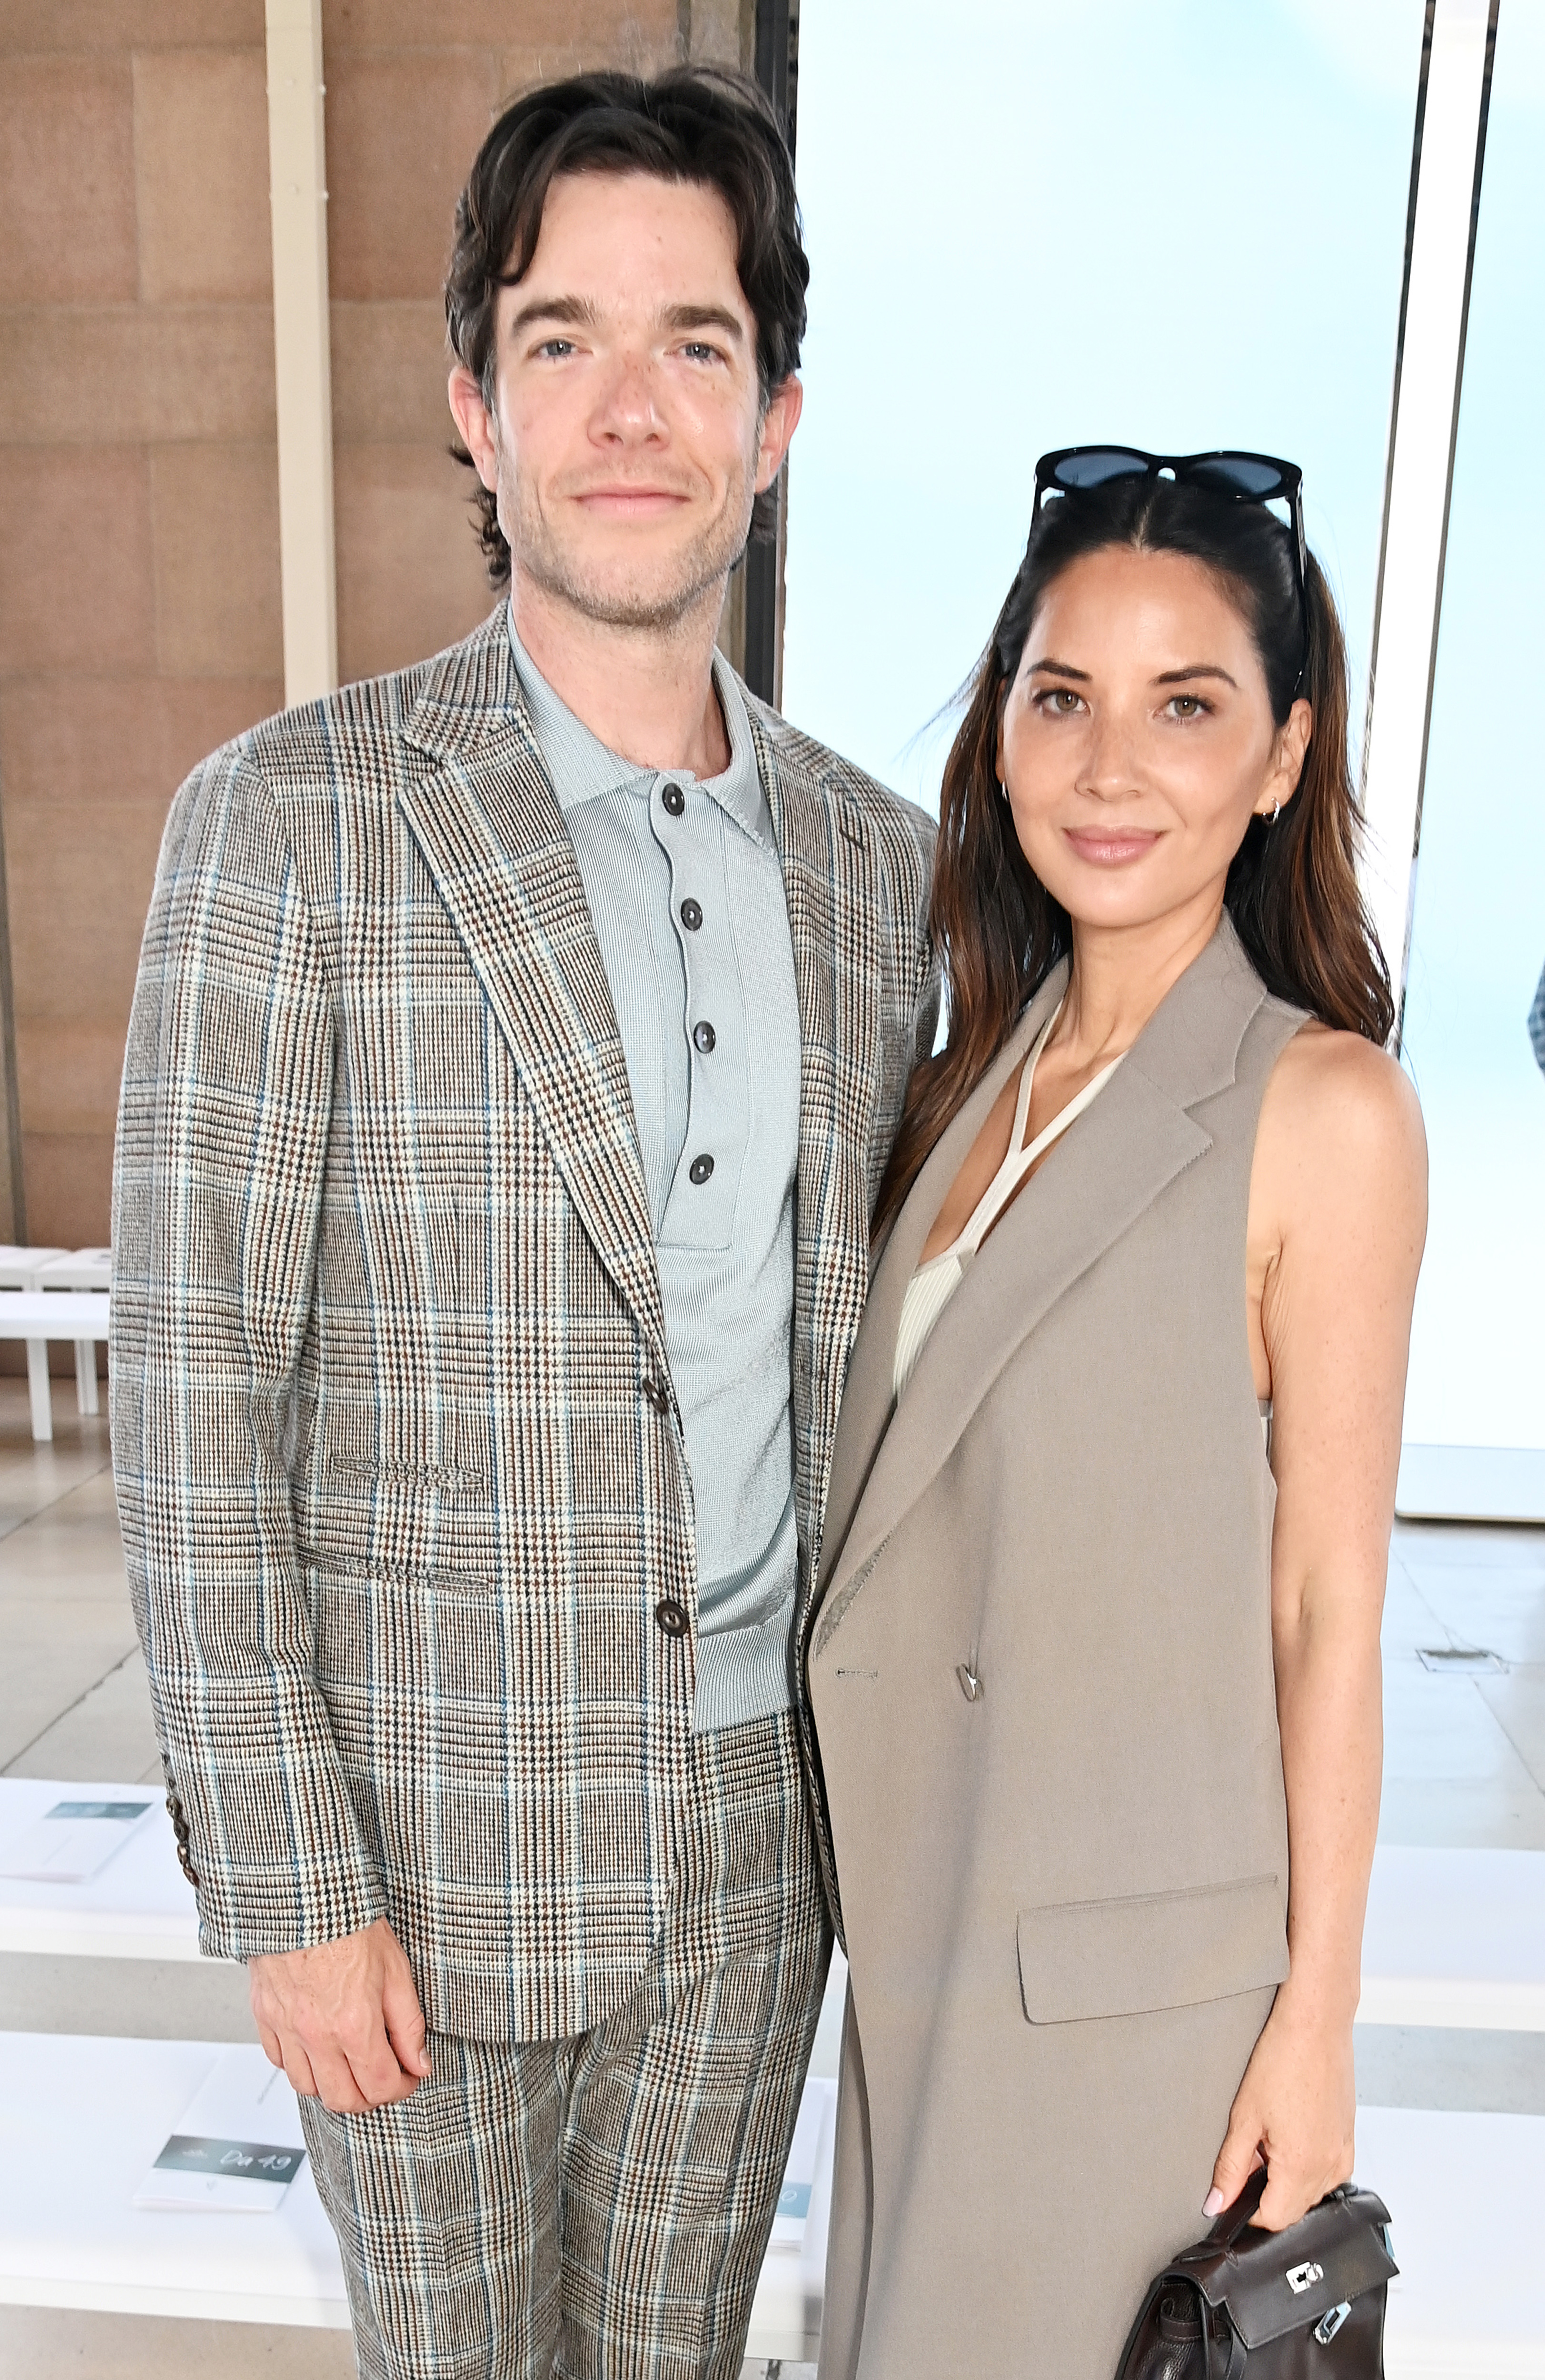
1188,705
1060,700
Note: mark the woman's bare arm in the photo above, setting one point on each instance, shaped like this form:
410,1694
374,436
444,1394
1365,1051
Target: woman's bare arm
1338,1215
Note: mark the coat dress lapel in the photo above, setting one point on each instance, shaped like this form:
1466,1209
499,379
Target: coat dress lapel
487,824
832,889
1123,1152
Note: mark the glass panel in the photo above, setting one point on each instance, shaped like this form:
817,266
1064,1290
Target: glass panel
1035,224
1477,1364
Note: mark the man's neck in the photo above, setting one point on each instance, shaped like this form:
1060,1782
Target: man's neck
645,693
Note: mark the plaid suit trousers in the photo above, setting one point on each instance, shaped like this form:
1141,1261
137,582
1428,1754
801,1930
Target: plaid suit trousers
598,2207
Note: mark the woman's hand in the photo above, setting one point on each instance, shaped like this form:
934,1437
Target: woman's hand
1294,2110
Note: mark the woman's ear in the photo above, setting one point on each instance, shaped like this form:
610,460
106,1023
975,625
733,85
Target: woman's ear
1287,765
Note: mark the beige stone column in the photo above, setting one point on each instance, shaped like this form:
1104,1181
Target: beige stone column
302,361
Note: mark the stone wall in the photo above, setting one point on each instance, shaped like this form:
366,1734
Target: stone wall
139,619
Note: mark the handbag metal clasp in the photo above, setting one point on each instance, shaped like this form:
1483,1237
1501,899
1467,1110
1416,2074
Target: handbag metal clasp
1304,2276
1329,2324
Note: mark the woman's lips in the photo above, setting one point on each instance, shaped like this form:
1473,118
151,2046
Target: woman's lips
1112,847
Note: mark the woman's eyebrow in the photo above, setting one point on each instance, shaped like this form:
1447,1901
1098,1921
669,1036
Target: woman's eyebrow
1061,669
1197,669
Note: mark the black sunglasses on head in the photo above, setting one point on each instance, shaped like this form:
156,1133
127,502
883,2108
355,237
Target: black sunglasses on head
1248,478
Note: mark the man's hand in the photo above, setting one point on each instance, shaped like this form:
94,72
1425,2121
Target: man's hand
343,2019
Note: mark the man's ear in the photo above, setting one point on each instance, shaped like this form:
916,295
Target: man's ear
778,425
475,423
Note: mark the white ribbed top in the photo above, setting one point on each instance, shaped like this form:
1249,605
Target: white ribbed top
934,1283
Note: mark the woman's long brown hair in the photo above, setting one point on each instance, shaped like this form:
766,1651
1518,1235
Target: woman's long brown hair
1292,890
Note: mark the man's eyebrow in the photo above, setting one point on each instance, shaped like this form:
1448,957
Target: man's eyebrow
578,310
1197,669
702,318
1061,669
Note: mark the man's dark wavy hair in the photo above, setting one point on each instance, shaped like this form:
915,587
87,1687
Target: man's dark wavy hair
691,124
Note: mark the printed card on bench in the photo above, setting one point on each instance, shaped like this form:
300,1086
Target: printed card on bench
238,2143
74,1841
794,2200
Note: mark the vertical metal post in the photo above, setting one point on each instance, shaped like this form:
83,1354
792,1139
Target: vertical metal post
1450,148
777,35
12,1187
302,350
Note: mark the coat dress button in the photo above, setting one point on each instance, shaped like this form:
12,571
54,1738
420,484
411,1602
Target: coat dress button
657,1396
691,916
699,1170
671,1617
703,1037
675,800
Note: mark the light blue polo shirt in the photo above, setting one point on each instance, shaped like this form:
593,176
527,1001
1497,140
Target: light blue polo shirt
686,893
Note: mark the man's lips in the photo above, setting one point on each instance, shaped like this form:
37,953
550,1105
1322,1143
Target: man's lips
631,501
1112,846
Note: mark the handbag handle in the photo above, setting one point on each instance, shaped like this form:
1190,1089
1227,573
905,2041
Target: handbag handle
1242,2214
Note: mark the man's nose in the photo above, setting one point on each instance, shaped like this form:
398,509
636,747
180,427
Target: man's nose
625,407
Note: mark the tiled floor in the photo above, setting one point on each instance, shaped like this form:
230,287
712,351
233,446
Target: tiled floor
1464,1763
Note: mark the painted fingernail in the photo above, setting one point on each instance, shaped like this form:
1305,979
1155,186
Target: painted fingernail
1213,2203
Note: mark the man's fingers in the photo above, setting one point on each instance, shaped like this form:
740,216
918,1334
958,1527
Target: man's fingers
297,2066
404,2021
337,2086
273,2047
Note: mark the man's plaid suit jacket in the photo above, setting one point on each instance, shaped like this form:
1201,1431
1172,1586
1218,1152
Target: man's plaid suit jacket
398,1460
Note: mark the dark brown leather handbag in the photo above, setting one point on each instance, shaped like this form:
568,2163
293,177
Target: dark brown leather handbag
1306,2303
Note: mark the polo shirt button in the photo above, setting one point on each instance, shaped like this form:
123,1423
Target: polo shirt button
691,916
675,800
671,1618
658,1396
699,1170
703,1037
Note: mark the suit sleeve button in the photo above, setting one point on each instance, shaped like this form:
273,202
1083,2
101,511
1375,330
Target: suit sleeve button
671,1617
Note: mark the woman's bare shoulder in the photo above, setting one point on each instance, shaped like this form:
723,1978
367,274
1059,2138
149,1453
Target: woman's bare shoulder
1340,1118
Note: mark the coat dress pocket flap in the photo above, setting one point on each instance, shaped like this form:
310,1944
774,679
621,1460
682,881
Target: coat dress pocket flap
1080,1959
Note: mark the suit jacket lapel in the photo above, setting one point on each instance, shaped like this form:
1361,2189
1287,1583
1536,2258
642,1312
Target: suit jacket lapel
831,889
490,833
1134,1141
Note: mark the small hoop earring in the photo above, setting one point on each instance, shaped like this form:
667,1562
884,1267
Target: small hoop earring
1276,813
1002,790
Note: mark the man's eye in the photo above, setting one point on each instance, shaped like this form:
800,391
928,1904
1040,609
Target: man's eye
556,348
699,352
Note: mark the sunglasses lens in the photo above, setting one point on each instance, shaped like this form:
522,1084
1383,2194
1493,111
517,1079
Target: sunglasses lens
1093,466
1238,475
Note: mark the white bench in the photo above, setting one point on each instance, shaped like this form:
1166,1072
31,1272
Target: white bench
1456,1938
1467,2201
1466,2197
139,1906
38,1316
82,2119
77,1280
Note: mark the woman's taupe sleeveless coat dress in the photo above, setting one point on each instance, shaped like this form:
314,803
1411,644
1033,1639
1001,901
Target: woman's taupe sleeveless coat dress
1063,1897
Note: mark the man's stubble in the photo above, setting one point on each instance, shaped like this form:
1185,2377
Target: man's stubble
681,583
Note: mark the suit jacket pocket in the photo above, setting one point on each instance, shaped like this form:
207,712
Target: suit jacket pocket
1155,1950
